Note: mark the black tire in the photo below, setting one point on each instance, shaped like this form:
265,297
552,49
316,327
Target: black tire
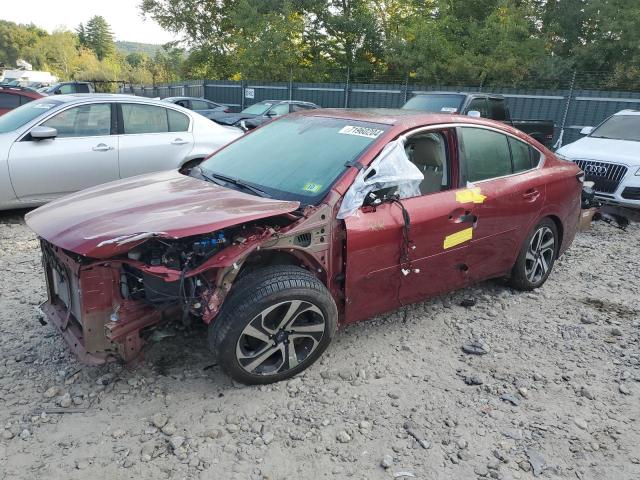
261,301
529,272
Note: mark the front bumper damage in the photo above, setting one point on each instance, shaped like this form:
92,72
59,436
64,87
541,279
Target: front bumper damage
85,305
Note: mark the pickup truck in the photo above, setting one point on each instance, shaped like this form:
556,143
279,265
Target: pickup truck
488,105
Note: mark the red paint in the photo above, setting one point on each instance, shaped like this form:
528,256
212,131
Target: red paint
166,203
359,259
27,96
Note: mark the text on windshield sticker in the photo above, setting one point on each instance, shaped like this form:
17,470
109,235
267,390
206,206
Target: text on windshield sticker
361,131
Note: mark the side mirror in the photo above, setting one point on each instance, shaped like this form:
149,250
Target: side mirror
43,133
474,114
271,114
586,130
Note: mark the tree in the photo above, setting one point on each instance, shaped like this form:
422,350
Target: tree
98,37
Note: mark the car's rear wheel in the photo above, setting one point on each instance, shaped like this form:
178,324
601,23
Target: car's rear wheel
537,256
276,322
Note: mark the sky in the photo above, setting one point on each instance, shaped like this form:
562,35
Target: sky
123,16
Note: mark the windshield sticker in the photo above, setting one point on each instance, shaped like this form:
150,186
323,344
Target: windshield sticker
361,131
44,106
312,187
449,109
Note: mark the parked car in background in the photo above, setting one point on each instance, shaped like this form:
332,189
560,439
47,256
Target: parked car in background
206,108
609,154
314,220
66,88
13,97
57,145
260,112
487,105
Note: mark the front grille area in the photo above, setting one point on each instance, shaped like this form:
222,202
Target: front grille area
606,176
631,193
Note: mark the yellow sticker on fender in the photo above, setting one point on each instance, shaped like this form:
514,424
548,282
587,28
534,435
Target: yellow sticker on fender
469,195
458,238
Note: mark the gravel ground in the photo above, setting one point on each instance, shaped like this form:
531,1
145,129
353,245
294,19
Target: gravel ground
554,394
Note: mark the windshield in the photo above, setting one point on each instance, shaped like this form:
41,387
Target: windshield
20,116
435,103
295,158
618,127
257,108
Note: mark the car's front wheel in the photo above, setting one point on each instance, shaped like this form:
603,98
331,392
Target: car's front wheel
276,322
536,257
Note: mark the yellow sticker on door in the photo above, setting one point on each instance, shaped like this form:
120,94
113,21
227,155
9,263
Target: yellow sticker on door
458,238
469,195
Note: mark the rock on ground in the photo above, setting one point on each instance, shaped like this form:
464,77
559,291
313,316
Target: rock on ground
554,394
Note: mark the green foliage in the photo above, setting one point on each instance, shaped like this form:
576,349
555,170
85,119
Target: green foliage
98,37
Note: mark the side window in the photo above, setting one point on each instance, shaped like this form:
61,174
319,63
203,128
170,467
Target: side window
24,99
486,153
144,119
428,152
535,157
82,88
178,122
183,103
9,101
66,89
480,105
82,121
212,106
199,105
295,107
280,109
498,109
520,154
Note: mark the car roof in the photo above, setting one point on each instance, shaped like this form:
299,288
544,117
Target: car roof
170,99
287,101
467,94
105,97
405,119
23,91
628,112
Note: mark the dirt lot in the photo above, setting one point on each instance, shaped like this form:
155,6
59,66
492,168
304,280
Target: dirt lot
556,393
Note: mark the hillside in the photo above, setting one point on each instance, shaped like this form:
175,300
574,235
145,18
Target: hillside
137,47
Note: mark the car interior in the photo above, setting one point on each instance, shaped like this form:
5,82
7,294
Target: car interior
428,152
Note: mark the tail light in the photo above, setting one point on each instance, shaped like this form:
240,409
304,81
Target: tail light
227,110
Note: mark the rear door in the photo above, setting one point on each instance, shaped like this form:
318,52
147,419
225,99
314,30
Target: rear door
509,191
152,138
395,259
84,154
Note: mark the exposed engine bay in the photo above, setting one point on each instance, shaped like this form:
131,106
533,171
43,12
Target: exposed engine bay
157,279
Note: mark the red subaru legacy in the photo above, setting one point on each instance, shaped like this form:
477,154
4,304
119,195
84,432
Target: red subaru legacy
314,221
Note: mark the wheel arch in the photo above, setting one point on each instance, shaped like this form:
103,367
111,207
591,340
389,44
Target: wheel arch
560,228
292,256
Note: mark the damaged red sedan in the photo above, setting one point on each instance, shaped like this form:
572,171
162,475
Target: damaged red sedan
315,220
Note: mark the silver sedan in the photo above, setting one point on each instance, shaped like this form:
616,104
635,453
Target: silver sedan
57,145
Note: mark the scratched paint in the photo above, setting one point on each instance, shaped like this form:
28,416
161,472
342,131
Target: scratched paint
470,195
458,238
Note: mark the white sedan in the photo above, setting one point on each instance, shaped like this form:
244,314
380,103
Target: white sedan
57,145
610,157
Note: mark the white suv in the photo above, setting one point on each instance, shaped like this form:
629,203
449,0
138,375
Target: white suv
610,157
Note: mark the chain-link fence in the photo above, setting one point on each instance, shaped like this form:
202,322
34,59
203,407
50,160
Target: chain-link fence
580,99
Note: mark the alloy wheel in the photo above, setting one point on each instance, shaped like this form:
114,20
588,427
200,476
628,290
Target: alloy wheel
540,253
280,338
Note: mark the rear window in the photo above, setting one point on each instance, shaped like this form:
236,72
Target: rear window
435,103
8,100
619,127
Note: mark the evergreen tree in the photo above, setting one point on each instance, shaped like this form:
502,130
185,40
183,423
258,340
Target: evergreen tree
99,37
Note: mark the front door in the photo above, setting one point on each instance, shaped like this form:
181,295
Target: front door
392,262
83,154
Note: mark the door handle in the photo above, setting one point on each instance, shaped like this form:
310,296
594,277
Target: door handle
462,216
101,147
179,141
532,195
